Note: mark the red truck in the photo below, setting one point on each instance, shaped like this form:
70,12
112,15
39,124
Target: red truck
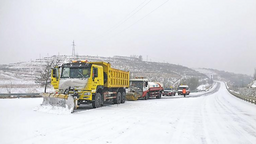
140,88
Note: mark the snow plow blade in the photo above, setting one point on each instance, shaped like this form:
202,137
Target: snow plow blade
132,96
59,100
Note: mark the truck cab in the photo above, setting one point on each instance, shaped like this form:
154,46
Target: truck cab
139,86
81,77
181,87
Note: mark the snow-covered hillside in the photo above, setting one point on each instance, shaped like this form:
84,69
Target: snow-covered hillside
20,77
15,83
214,118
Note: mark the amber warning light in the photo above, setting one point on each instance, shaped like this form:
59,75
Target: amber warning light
82,61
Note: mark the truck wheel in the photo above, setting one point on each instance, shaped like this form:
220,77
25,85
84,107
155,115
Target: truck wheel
97,101
123,97
102,100
146,97
117,100
159,96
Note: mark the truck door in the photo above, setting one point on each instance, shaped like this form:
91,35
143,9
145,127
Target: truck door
97,77
55,76
145,85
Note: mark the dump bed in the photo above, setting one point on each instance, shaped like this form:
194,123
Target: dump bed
114,78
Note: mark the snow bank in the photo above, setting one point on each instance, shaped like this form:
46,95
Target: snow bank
53,109
203,87
254,84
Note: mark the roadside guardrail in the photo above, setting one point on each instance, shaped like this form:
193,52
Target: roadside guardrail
245,98
19,95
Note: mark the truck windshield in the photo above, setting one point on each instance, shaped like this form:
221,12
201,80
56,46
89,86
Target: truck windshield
138,84
181,88
75,72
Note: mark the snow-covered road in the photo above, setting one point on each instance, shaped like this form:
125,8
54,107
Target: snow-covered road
209,118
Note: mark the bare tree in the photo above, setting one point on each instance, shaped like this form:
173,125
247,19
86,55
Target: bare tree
9,87
44,77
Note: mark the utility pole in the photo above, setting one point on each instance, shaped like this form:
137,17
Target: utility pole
73,50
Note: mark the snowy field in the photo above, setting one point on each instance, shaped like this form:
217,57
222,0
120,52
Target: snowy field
20,83
213,118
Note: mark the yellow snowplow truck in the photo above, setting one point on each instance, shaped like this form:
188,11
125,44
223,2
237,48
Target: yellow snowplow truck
81,82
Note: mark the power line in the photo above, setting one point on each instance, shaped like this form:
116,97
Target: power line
130,15
144,16
136,10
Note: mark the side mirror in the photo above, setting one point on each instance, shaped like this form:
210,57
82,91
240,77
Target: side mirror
146,84
54,73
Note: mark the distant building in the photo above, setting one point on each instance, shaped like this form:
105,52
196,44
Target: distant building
132,57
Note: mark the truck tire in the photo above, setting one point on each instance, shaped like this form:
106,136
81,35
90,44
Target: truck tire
118,98
123,97
102,100
159,96
97,101
146,97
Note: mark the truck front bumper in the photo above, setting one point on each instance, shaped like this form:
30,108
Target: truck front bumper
86,95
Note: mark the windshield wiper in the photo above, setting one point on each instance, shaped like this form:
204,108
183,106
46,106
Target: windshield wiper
81,74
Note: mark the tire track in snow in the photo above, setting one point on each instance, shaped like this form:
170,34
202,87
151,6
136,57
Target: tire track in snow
188,120
236,115
231,129
229,122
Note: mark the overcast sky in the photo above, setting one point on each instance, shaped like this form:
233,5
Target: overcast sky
219,34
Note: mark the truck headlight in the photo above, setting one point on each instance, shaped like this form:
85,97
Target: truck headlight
88,93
